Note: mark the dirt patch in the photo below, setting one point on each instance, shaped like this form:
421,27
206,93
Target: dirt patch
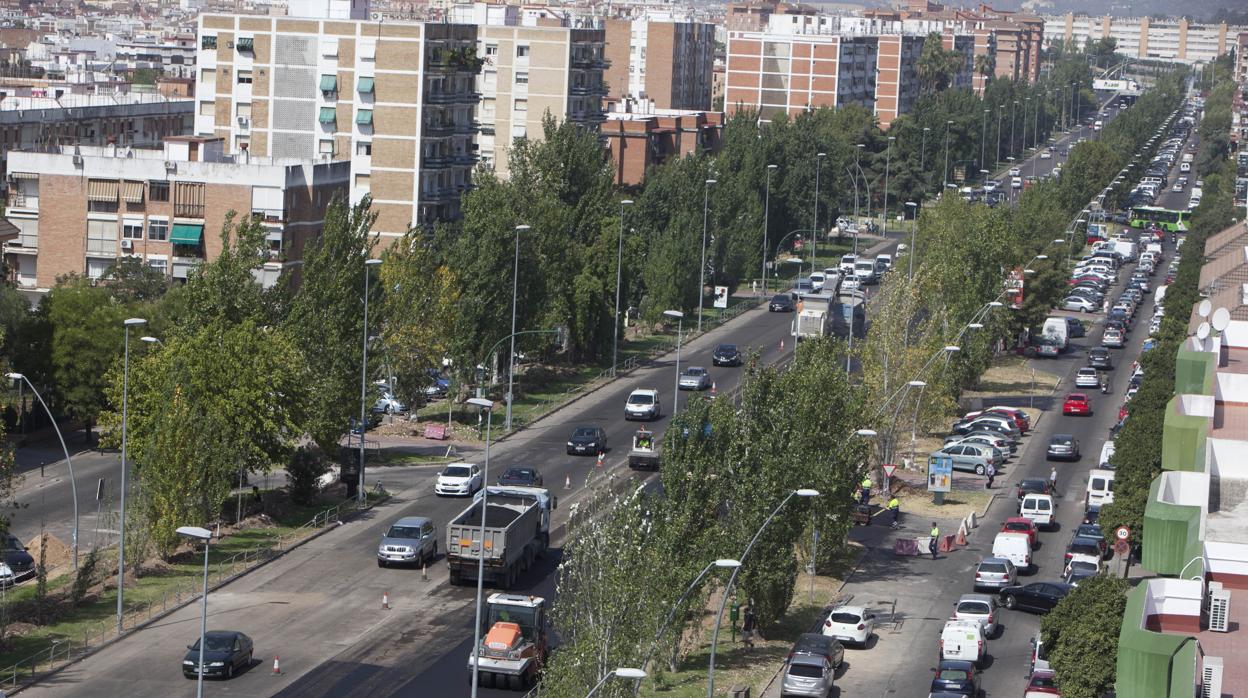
1013,375
56,554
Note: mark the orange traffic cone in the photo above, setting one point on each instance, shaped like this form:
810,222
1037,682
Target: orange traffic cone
782,345
385,601
277,665
599,464
713,391
961,539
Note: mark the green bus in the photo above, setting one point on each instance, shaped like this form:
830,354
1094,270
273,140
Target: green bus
1167,220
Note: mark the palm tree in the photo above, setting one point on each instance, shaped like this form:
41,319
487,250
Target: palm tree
984,65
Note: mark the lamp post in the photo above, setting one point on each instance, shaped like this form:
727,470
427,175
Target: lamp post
722,564
888,153
719,617
814,240
488,406
1026,108
983,140
121,542
914,228
1035,141
706,192
923,160
205,536
73,486
996,161
368,264
619,259
766,217
623,673
511,360
680,323
1013,121
945,185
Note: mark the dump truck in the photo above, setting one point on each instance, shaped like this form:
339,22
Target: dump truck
514,642
812,319
517,532
645,453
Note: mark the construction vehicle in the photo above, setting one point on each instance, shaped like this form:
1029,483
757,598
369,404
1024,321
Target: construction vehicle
517,532
514,644
645,453
812,320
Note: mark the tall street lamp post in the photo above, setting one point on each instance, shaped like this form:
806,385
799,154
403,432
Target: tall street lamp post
1013,121
619,259
923,160
125,403
914,227
488,407
721,564
73,484
888,154
205,536
706,192
948,126
511,360
680,324
766,217
983,140
814,236
996,161
368,264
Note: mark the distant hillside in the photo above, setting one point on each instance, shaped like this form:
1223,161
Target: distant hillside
1198,10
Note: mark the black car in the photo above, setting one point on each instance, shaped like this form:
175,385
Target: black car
587,441
1074,328
1032,485
19,562
1079,545
781,303
1090,530
726,355
524,477
225,652
1039,597
956,677
1099,357
1092,514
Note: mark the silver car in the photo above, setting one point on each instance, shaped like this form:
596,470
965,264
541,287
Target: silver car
695,378
412,540
807,675
967,457
995,573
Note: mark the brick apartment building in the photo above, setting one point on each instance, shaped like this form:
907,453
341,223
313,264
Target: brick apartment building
667,62
77,209
640,136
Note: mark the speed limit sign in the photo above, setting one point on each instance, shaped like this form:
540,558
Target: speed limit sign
1122,532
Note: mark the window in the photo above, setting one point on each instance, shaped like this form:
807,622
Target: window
363,148
362,182
519,131
96,267
522,51
247,44
522,78
102,238
244,111
244,77
208,76
188,199
132,230
207,108
161,265
102,206
325,146
491,49
157,229
521,105
241,143
157,190
208,42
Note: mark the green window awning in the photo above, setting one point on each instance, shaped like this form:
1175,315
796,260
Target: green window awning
186,234
329,83
246,43
328,115
366,86
364,117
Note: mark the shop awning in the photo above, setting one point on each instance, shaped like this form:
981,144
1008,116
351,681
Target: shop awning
102,190
366,86
132,192
329,83
186,234
28,175
329,115
364,116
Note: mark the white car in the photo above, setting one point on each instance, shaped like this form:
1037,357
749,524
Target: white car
1016,171
1177,187
1078,303
847,264
1045,155
978,607
886,259
850,625
458,480
817,279
1016,182
1113,338
643,403
1087,378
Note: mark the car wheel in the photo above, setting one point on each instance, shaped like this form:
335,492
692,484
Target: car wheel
1011,603
229,670
979,470
381,563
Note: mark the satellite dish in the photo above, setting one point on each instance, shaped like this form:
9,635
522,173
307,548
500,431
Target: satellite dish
1204,308
1221,319
1202,332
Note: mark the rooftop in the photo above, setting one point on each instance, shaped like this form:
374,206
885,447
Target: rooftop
73,101
1232,647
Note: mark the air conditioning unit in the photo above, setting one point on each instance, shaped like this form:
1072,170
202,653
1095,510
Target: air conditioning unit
1219,609
127,244
1211,678
171,166
77,160
244,122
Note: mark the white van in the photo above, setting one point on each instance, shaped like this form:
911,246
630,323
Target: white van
1040,508
1015,547
1100,487
963,639
847,264
864,269
1107,453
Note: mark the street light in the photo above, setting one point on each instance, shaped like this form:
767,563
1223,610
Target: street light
706,192
205,536
368,264
914,228
150,339
766,217
69,464
983,139
719,617
511,360
814,241
488,406
923,160
121,544
948,126
866,185
888,153
725,563
996,162
619,258
1013,121
680,323
623,673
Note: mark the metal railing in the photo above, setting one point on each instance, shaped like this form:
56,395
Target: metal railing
62,651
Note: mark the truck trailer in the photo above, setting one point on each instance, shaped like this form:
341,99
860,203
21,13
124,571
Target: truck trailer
517,532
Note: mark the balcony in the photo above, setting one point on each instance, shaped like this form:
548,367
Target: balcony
439,129
436,162
459,97
24,244
587,90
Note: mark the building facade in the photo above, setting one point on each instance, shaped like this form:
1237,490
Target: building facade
640,136
77,210
1178,41
669,63
396,99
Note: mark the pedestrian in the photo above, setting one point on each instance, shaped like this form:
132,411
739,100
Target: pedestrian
894,506
1053,479
1106,311
748,626
866,491
992,473
933,545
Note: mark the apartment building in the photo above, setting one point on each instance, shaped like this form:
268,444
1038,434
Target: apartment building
48,116
664,61
395,98
1179,40
897,80
77,209
640,135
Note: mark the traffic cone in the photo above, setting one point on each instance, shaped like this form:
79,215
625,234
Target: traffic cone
782,345
599,464
713,390
277,665
961,539
567,483
385,601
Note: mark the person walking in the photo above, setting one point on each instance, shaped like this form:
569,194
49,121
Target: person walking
748,625
894,506
1053,480
991,472
934,545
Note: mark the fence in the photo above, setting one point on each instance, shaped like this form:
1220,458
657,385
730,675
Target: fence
64,651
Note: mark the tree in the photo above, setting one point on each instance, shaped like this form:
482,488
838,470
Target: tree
985,65
937,66
225,289
86,341
1081,633
131,280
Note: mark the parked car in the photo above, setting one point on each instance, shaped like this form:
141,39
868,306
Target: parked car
990,422
1042,684
819,645
987,438
955,677
1078,545
694,378
523,477
1090,530
1079,570
807,675
1039,597
458,479
387,403
1040,508
1087,378
966,457
781,303
999,452
588,441
1020,524
851,625
1077,404
225,652
1113,338
20,563
1075,328
643,403
726,355
995,573
412,540
1019,417
1078,304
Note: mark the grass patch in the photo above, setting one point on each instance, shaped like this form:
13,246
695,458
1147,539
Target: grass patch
394,457
1010,375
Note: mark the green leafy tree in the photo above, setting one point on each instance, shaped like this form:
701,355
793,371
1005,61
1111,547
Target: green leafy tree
1082,634
86,340
937,66
132,280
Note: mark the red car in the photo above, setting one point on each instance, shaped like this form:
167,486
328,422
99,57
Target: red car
1077,404
1019,417
1017,524
1043,684
1122,412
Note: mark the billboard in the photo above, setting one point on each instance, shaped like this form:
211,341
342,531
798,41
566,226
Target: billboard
939,473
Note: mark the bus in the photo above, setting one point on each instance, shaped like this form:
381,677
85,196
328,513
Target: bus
1167,220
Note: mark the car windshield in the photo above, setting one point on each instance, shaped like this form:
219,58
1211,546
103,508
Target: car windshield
12,544
457,471
1018,526
403,532
1032,485
727,348
518,474
216,643
1085,547
954,675
1083,567
978,608
695,372
584,433
1090,531
1042,681
846,618
994,567
807,671
640,399
779,298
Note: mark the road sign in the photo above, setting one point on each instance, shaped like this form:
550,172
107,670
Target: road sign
889,469
1122,532
939,474
1121,547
